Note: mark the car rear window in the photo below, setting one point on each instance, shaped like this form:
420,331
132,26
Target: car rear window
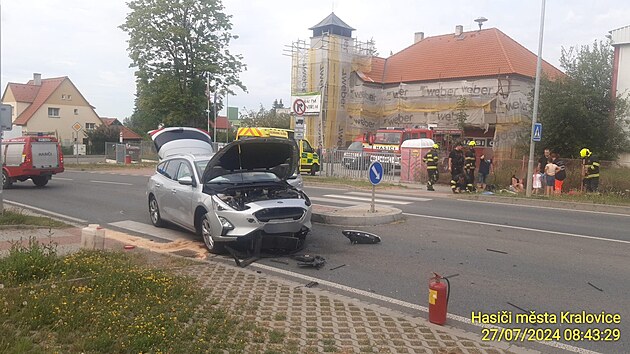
167,136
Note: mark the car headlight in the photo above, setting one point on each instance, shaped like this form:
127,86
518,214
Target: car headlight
226,224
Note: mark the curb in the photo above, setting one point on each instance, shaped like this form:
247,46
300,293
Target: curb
356,216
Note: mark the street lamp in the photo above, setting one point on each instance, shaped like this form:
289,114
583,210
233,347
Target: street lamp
532,144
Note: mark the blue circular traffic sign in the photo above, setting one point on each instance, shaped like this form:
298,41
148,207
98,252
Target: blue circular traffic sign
375,172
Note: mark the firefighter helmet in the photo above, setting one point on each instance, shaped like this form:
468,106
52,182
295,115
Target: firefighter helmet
472,143
436,146
585,152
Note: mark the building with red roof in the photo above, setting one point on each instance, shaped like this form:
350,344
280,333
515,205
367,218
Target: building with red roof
51,105
483,74
128,135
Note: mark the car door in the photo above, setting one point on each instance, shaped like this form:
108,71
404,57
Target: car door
182,196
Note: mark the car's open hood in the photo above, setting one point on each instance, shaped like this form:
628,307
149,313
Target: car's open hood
181,140
276,155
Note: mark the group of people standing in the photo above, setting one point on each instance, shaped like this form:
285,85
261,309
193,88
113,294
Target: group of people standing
549,176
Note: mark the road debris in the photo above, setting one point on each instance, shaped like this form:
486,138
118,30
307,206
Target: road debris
337,267
362,237
589,283
497,251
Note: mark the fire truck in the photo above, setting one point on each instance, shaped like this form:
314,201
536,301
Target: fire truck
31,157
384,145
389,139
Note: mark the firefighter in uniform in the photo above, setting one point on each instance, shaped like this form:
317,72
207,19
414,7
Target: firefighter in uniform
432,159
456,166
470,163
590,170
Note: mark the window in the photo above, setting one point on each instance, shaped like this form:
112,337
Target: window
161,168
90,126
53,112
76,111
184,171
172,168
63,96
306,147
68,97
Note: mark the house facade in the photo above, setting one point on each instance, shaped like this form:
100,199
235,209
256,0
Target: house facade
483,74
52,106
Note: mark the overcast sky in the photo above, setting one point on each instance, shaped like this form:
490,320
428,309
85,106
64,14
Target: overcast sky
81,39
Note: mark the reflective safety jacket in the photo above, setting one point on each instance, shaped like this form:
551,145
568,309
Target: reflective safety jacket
431,159
470,160
591,164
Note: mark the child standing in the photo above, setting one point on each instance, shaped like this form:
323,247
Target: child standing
550,175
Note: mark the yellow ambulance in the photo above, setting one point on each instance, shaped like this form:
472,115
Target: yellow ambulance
309,160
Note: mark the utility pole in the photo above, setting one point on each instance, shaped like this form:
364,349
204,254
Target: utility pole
208,100
532,144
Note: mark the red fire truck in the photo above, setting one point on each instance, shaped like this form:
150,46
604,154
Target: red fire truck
389,139
31,157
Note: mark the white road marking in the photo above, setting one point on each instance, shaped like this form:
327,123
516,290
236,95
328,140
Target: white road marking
520,228
118,183
382,201
394,196
150,230
331,188
405,304
328,200
44,211
544,207
62,179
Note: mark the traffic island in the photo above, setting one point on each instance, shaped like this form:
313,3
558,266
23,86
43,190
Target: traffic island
358,215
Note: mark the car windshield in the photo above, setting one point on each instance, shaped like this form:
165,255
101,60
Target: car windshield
356,146
246,177
201,166
387,138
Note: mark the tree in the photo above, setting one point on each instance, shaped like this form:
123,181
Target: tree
579,110
176,45
101,135
265,118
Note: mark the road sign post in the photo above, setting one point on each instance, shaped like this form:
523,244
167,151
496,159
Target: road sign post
77,128
375,174
6,123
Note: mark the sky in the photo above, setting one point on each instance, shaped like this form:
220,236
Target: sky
81,39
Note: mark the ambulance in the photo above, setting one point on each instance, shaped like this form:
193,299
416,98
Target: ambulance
309,160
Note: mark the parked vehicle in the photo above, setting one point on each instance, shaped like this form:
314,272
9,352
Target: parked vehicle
233,195
309,159
31,157
355,158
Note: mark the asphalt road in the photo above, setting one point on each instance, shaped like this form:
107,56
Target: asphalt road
508,257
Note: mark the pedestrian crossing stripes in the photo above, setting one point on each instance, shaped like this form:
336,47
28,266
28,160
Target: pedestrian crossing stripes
362,198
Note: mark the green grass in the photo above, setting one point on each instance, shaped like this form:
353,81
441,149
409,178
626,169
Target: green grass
110,302
14,218
106,166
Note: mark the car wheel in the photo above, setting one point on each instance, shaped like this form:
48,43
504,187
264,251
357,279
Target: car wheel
40,181
154,212
314,169
211,245
6,181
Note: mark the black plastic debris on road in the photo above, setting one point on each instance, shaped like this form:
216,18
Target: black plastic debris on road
362,237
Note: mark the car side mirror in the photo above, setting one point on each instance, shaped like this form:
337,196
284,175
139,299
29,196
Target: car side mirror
186,181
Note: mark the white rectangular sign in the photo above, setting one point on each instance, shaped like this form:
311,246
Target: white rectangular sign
306,105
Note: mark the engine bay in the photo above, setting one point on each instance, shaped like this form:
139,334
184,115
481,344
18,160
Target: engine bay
239,198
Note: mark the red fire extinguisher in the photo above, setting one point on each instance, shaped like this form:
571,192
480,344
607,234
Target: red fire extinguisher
438,299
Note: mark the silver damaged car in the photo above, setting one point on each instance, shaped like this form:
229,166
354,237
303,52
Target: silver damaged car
229,196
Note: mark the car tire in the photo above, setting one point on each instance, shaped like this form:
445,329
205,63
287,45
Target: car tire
6,181
154,212
314,169
204,231
40,181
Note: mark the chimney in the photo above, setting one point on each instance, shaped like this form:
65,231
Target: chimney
459,29
417,37
37,79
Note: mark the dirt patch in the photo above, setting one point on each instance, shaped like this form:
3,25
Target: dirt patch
192,249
